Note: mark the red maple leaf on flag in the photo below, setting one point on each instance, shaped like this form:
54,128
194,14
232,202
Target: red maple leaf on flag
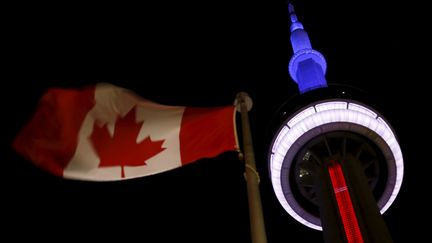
122,149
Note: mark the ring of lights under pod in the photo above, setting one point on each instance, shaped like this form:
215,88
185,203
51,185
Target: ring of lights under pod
331,119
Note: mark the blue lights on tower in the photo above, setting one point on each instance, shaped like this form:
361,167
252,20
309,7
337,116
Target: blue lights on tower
307,66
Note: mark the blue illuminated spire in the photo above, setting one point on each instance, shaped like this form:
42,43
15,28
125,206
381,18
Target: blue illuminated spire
307,66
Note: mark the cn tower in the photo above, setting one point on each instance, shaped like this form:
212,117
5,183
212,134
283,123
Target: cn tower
335,162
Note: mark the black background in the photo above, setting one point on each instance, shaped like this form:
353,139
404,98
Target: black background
201,54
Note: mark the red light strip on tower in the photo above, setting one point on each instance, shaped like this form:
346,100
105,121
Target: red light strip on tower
346,210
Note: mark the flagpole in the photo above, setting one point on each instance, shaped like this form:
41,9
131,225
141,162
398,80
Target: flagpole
258,234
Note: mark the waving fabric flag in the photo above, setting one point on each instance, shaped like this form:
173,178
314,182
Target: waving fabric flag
105,132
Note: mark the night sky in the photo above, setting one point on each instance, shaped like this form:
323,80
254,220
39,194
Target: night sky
202,54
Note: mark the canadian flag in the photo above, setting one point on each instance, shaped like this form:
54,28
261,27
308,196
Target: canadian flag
105,132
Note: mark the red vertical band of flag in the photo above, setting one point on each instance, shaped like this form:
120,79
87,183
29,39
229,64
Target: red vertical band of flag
346,209
51,136
214,124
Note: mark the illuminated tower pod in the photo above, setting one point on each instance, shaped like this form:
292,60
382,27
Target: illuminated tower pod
335,163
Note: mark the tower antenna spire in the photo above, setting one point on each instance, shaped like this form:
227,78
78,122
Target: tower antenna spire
294,21
307,66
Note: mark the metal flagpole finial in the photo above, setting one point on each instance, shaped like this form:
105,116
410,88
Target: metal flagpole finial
243,97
